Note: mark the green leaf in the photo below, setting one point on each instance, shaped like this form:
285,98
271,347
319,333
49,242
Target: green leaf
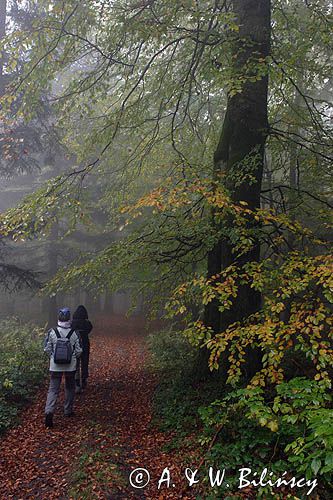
315,465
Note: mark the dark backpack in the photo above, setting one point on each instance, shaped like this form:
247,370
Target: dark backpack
63,351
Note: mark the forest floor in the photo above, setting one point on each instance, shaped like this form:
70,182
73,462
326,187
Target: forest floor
91,455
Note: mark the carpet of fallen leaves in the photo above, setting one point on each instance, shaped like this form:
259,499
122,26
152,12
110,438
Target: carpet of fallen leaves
91,454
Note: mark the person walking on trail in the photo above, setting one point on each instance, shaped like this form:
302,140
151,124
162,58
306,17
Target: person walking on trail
82,324
63,346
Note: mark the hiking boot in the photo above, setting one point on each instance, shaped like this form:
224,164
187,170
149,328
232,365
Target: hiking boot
49,420
70,414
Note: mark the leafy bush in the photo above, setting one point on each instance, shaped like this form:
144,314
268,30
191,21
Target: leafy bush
291,431
22,367
178,396
286,427
7,414
171,352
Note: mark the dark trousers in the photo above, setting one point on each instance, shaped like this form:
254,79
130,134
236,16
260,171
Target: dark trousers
54,388
85,361
82,368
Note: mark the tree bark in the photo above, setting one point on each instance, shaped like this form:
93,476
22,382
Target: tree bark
242,143
294,151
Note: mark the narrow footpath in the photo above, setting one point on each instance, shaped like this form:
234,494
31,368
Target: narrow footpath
91,455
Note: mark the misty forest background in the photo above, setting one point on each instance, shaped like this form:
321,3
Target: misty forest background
172,160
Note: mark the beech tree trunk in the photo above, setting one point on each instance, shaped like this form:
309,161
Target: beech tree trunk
242,143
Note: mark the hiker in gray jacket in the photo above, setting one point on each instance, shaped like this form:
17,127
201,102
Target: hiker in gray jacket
63,347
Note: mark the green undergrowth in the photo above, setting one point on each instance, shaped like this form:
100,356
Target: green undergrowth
22,367
288,427
179,393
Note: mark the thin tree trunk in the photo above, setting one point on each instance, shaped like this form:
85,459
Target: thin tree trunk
293,166
52,257
3,11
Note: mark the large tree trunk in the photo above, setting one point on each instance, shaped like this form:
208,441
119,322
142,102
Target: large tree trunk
242,142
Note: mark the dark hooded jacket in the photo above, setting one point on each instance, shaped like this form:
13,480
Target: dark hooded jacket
82,324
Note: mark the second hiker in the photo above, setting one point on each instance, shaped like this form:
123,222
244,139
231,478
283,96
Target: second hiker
82,324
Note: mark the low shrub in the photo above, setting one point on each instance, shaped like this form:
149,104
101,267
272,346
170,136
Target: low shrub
290,431
286,427
179,394
171,352
22,367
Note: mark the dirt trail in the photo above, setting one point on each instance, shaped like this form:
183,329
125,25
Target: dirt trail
90,455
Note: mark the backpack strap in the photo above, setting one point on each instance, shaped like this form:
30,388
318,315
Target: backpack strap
70,333
56,331
68,336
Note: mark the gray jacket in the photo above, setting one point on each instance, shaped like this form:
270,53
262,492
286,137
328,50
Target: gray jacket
49,348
